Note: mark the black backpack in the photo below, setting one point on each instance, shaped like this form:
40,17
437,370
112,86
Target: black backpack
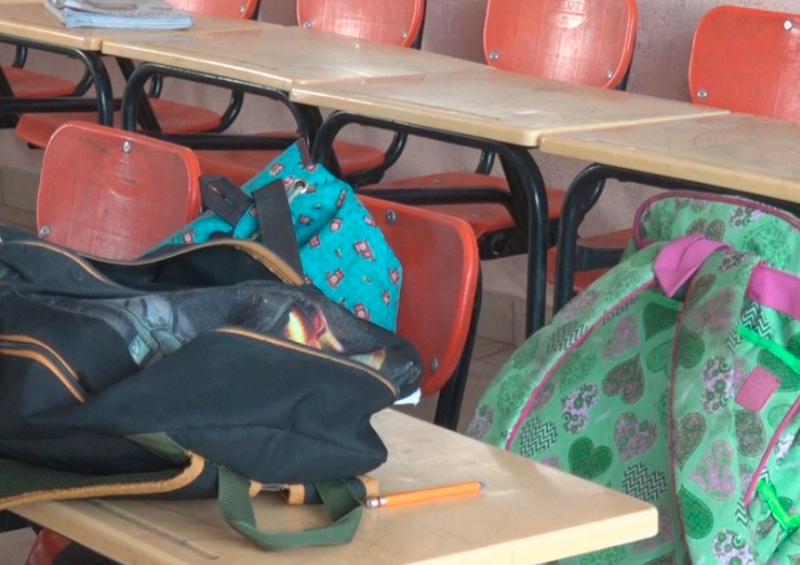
209,370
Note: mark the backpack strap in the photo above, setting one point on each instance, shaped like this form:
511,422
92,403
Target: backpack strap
275,224
21,483
341,506
710,453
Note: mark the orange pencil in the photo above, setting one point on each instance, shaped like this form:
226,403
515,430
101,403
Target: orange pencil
424,495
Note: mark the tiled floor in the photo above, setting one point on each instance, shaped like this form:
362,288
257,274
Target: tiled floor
488,357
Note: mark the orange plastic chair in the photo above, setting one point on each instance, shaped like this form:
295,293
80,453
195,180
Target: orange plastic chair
439,300
581,42
114,194
46,548
25,83
30,84
747,60
173,117
397,22
758,75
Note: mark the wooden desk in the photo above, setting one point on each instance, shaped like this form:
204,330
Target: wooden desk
266,62
509,108
31,25
32,21
756,156
281,58
491,104
527,514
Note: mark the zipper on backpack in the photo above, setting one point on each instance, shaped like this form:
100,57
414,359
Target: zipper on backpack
300,186
27,347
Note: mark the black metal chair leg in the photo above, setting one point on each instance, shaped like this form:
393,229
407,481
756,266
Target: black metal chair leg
448,406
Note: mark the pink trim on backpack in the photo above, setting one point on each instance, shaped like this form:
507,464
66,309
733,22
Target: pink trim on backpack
748,497
766,208
671,417
512,434
679,260
780,291
757,389
775,289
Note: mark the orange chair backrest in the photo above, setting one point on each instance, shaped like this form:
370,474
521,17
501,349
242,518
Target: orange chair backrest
579,41
114,194
397,22
226,8
440,278
747,60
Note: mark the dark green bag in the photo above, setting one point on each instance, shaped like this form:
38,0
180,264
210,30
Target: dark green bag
204,372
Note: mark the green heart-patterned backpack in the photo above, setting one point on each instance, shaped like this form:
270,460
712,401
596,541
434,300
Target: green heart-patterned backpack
675,378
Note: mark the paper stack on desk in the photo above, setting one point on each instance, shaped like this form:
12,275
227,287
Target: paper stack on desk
129,14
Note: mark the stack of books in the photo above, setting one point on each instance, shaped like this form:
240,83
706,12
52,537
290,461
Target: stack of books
124,14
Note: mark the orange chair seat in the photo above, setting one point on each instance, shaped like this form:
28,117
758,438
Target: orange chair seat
241,166
450,180
615,239
174,117
30,84
483,217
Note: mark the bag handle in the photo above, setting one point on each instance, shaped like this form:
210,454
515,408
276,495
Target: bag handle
340,504
21,483
275,223
276,226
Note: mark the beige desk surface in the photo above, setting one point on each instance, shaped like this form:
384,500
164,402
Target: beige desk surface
736,151
28,20
527,514
497,105
280,58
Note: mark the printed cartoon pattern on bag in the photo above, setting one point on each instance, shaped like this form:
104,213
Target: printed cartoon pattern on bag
341,248
710,371
156,325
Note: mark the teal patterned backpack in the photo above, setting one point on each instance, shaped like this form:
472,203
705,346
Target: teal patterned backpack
342,250
675,378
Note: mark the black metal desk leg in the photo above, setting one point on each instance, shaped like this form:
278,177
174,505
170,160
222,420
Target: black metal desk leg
448,406
524,178
5,87
102,84
8,120
582,194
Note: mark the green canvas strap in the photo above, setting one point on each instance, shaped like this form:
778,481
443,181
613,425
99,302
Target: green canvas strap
340,504
21,483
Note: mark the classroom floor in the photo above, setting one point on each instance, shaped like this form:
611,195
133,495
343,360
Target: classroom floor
488,356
